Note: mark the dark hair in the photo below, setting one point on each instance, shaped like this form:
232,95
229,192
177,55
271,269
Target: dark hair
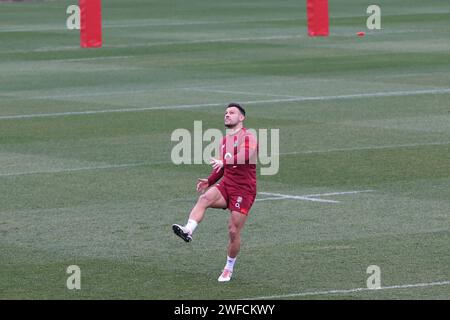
237,105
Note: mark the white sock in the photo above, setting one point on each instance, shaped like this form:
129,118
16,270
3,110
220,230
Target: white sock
191,225
230,263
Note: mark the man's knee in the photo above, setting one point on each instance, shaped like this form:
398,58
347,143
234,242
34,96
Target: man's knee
233,232
205,200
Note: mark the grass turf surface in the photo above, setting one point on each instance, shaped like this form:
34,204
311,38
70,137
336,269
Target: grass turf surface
98,189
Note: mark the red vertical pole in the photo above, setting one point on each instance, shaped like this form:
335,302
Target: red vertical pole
90,23
318,20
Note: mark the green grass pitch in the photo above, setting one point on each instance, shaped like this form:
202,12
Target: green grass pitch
86,176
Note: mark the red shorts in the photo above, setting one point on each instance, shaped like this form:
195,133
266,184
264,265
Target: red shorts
236,201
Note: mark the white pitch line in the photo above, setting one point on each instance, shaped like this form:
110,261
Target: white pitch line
315,293
309,197
271,198
91,94
77,113
215,104
148,44
201,41
393,146
41,28
127,165
141,25
376,94
166,43
287,196
124,92
92,59
299,198
337,193
264,199
185,23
